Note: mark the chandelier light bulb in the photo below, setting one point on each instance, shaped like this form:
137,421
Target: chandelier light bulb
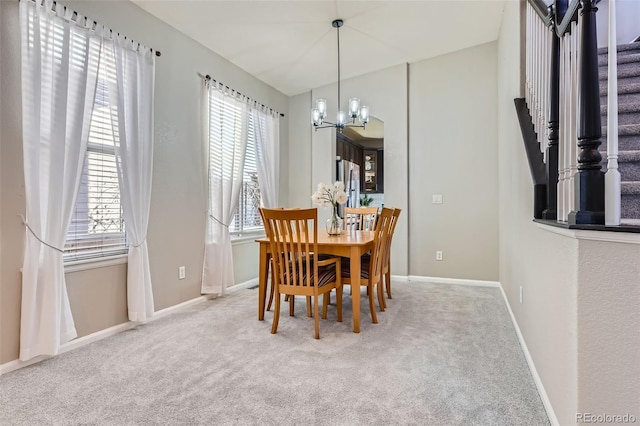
364,114
315,117
354,108
321,105
342,119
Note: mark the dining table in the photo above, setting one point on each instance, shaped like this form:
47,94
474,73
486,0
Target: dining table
350,243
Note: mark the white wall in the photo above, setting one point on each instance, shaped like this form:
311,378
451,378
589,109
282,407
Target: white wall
385,92
579,316
177,220
300,186
627,21
454,152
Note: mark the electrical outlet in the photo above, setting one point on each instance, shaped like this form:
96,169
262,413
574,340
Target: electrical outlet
182,273
439,255
436,198
521,294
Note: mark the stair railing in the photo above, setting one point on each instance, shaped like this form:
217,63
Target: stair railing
563,96
612,176
570,31
537,78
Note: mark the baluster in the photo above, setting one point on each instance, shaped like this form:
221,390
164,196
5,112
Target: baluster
562,203
528,58
573,115
568,198
590,178
552,153
612,176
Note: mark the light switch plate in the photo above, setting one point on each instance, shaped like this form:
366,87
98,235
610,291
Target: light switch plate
436,198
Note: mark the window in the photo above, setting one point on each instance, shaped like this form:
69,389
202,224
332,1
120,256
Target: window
247,216
225,133
97,225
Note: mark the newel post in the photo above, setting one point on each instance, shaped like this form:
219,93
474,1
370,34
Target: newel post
590,178
551,212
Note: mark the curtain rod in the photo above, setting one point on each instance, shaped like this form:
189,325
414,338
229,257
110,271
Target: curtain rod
208,78
74,17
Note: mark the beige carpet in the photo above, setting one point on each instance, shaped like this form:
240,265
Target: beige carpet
441,355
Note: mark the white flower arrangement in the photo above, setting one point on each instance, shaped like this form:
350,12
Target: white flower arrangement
329,195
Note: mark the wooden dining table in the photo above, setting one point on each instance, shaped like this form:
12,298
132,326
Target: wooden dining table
351,244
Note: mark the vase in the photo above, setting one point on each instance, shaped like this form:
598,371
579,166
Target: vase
334,223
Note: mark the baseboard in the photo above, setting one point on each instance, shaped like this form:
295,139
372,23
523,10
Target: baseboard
247,284
459,281
400,278
546,402
98,335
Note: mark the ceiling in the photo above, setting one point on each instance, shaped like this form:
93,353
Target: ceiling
291,45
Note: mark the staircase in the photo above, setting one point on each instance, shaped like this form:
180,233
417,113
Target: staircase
628,123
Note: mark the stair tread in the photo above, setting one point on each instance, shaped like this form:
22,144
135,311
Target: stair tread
603,60
626,107
630,188
621,48
624,88
624,129
623,73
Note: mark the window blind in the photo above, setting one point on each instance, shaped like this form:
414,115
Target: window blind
247,216
225,131
97,226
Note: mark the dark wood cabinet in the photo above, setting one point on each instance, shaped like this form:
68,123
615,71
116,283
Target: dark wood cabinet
371,162
373,171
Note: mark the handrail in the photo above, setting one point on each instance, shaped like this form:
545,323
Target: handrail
544,12
569,16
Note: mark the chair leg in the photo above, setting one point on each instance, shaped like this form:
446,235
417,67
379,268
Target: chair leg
316,320
387,278
372,307
309,306
276,315
325,304
272,289
339,302
292,301
381,301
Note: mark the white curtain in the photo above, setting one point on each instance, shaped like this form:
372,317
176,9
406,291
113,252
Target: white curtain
226,139
266,132
59,74
132,104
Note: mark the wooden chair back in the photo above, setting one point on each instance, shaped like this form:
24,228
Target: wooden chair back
380,241
392,228
292,235
360,218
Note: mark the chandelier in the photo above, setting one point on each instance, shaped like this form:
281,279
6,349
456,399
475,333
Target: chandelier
319,113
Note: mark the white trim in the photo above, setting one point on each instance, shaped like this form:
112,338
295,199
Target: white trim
459,281
98,335
247,238
247,284
180,306
94,263
546,402
583,234
400,278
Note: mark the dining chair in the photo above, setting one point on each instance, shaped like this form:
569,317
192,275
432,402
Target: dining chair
386,266
372,264
360,218
293,236
270,268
